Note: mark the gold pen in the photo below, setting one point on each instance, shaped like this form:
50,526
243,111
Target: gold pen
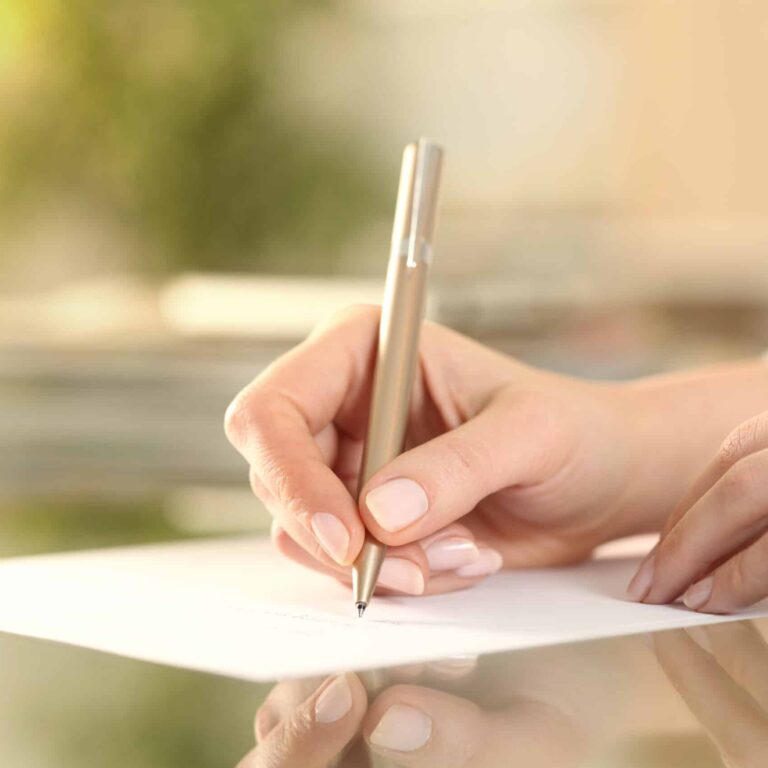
399,329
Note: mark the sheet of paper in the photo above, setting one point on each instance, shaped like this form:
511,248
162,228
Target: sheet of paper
234,607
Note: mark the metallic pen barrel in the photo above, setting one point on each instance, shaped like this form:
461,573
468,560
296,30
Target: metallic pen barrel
399,330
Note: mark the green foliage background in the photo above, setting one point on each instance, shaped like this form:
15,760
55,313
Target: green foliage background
161,113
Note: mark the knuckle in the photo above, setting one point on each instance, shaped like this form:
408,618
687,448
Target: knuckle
746,438
236,420
257,486
466,457
297,731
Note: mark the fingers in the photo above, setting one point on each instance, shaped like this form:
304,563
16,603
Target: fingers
434,484
424,728
738,583
280,424
316,731
747,438
732,717
742,652
455,547
730,515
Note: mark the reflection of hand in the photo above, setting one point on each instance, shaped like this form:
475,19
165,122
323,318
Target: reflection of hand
303,725
725,686
714,546
535,466
411,725
426,728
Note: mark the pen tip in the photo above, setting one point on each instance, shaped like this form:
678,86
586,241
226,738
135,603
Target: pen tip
361,609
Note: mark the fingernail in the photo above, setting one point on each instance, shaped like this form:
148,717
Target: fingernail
331,534
641,582
403,729
700,636
402,575
698,594
334,702
488,561
454,667
397,503
451,553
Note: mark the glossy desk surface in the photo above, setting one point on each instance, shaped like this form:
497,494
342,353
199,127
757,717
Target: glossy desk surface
681,698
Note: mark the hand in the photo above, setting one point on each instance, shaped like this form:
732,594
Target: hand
310,723
714,547
722,675
505,465
413,725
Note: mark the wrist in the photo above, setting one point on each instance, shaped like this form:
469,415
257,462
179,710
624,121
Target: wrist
677,424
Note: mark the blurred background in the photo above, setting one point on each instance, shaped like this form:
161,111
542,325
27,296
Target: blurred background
186,187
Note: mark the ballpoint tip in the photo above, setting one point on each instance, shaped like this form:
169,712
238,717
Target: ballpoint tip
361,609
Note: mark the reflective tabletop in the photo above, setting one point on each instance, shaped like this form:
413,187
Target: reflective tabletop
695,697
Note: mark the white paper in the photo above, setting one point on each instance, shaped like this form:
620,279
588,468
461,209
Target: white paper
236,608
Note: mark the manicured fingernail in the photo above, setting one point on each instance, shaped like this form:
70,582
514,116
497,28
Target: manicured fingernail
397,503
332,535
454,667
448,554
402,575
700,636
488,561
641,582
403,729
334,702
698,594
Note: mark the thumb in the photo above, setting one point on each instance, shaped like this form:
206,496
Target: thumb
316,731
434,484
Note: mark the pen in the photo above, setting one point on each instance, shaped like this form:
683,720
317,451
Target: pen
397,354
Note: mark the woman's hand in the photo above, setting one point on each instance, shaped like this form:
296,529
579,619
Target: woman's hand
506,465
714,548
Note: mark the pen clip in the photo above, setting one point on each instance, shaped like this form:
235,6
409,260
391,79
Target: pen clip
417,202
426,182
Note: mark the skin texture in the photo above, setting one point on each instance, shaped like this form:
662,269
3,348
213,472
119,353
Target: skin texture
537,467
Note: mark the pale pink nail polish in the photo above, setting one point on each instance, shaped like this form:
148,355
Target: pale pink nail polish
331,534
640,585
334,702
451,553
401,575
488,561
698,594
402,729
397,503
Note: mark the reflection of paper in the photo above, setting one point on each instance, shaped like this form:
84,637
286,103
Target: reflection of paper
235,608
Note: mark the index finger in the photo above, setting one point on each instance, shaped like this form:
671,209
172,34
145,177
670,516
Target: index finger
274,420
749,437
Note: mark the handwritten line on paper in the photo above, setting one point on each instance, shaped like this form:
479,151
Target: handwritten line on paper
236,608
